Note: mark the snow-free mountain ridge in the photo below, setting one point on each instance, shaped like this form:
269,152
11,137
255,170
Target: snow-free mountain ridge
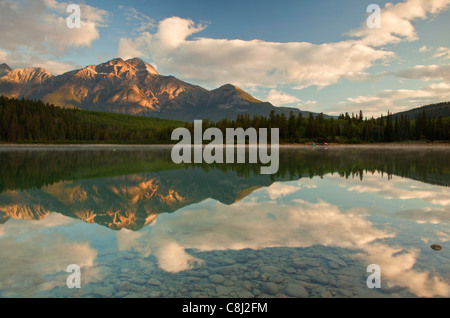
132,87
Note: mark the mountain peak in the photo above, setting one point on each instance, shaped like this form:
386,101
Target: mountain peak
120,67
115,66
230,89
5,66
136,61
227,87
140,65
115,61
4,69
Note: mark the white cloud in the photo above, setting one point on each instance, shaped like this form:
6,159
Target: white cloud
443,52
424,49
251,63
425,72
280,98
131,48
309,105
364,99
40,26
3,56
37,30
133,15
397,100
396,21
172,33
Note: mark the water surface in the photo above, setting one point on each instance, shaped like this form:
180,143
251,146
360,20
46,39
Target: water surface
140,226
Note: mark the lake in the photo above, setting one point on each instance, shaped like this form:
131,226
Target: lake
138,225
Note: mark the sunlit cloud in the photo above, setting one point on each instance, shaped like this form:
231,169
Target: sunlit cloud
425,73
250,63
397,21
398,100
37,31
424,49
442,52
280,98
3,56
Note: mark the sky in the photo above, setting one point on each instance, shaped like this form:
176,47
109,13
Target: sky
319,56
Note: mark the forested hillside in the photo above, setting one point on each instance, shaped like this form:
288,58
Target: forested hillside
35,122
31,121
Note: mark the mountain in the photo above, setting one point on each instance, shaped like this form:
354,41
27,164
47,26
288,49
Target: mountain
431,111
4,69
23,82
132,87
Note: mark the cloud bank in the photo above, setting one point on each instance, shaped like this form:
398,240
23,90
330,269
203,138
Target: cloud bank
250,63
35,32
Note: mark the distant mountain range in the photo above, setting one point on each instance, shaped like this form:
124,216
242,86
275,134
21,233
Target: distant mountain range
132,87
431,111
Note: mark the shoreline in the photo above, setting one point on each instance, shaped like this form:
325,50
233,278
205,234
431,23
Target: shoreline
412,145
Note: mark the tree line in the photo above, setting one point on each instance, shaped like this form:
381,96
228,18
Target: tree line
34,121
345,128
37,122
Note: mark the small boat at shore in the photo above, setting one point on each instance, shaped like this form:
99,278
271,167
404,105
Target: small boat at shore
320,144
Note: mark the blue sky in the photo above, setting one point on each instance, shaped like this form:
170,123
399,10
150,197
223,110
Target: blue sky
313,55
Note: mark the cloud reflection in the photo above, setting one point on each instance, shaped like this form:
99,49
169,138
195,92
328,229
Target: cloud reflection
259,224
403,189
51,252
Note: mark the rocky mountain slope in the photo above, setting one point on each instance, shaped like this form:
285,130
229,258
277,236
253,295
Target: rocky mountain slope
132,87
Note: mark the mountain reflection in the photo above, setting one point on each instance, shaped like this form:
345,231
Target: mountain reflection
129,187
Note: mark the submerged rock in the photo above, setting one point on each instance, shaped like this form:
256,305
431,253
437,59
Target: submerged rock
223,290
216,279
154,281
296,290
436,247
271,288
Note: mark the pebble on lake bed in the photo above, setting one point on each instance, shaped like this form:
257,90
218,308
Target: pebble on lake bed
436,247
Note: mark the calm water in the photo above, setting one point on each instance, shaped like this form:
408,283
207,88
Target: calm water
140,226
